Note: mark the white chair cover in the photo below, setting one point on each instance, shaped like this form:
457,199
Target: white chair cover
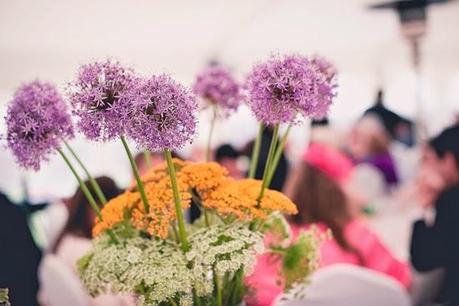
59,285
348,285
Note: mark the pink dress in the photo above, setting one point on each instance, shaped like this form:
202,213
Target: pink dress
374,255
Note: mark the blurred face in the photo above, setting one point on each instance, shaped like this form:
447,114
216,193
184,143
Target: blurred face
359,143
441,172
367,138
231,165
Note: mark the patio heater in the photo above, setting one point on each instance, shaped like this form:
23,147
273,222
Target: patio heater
413,25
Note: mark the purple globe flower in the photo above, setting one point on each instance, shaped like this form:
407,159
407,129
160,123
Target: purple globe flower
327,85
284,87
99,99
37,121
216,85
164,114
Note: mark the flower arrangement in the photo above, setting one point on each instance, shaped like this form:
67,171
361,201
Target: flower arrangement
142,244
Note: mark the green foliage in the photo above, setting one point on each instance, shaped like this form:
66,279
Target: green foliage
298,258
297,262
278,228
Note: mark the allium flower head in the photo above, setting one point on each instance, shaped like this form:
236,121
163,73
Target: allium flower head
164,114
216,85
284,87
327,85
37,120
99,99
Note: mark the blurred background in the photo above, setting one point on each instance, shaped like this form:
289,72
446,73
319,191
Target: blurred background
398,76
49,39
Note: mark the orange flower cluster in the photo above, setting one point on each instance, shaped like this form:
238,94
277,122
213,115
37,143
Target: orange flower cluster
209,181
162,208
239,198
115,210
159,172
204,178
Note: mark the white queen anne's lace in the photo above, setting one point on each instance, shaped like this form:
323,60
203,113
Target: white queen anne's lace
157,271
222,249
154,270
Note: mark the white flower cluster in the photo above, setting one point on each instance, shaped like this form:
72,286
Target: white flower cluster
154,270
158,272
222,249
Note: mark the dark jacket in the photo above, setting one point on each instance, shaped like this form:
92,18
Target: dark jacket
438,245
19,256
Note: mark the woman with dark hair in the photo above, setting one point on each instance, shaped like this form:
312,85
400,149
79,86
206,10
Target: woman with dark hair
317,188
321,200
434,242
75,239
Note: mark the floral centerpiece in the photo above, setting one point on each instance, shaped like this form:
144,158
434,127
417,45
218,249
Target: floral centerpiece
142,244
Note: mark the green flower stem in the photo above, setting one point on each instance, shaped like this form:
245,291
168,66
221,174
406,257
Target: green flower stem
143,196
238,287
219,291
173,303
211,132
277,156
256,152
178,207
269,159
147,158
87,193
196,299
176,235
100,195
206,217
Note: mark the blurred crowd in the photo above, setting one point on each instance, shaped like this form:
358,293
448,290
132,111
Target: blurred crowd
344,183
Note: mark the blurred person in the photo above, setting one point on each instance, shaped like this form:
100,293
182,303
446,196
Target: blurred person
369,143
280,175
322,132
321,197
227,156
434,240
19,255
401,133
75,239
398,127
317,188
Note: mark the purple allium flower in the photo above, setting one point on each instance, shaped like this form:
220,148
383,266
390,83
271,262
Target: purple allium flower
327,85
164,114
99,99
217,86
284,87
37,121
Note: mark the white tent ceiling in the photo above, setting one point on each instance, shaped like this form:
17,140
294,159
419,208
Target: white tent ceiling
48,39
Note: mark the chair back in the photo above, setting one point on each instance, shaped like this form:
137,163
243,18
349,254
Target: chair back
60,285
346,285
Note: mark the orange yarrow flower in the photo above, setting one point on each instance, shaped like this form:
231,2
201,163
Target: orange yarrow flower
239,198
214,189
114,211
204,178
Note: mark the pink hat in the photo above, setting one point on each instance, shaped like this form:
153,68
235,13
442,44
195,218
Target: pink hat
329,160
